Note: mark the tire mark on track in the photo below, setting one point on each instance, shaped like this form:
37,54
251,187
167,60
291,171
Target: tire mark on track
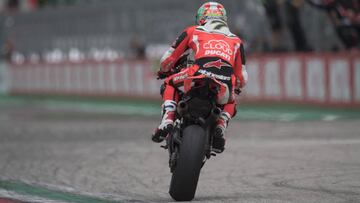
320,189
234,180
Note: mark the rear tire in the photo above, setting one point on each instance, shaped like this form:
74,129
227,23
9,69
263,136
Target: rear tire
188,165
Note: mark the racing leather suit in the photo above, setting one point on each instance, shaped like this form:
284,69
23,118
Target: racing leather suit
217,53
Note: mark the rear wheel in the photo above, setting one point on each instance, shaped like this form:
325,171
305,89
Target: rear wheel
191,155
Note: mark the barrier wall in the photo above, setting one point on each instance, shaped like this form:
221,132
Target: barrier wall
323,79
120,78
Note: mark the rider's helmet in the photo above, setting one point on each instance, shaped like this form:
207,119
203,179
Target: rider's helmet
209,11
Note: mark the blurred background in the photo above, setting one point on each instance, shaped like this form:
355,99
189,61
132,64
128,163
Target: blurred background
103,47
61,30
79,99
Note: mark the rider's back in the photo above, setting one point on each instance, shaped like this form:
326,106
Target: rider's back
214,40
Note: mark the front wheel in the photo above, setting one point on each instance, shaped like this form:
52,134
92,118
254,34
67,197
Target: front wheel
191,155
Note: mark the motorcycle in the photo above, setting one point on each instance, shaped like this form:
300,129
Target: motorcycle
190,142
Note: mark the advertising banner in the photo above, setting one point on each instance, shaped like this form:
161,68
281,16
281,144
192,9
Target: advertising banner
315,80
340,81
293,79
3,78
357,80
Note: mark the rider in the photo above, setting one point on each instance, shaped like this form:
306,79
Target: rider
217,53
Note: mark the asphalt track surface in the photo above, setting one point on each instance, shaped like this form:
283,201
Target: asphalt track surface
111,157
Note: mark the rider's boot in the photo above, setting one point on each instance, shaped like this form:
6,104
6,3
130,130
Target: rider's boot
219,133
167,121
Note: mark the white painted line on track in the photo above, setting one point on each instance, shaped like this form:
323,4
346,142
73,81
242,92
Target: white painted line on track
128,110
288,117
330,118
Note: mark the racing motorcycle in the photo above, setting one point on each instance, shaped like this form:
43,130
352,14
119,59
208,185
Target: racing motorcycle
190,142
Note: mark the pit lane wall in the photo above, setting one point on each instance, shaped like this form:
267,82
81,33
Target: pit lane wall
331,79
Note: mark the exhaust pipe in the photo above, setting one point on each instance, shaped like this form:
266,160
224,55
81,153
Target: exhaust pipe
182,108
215,113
